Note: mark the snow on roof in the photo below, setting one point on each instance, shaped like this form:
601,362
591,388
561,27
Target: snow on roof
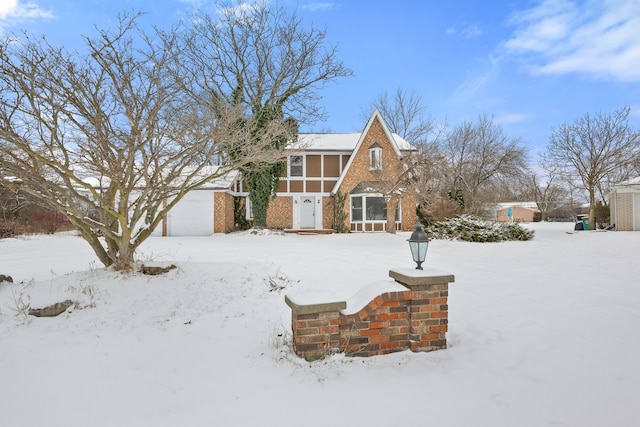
633,181
340,141
223,180
371,187
526,205
328,141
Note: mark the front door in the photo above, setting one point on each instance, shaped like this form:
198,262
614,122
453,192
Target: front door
308,212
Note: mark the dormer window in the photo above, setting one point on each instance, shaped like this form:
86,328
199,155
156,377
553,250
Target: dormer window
375,156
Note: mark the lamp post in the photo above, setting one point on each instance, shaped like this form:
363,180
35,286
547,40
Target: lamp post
418,243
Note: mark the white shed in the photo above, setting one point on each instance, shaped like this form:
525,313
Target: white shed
624,200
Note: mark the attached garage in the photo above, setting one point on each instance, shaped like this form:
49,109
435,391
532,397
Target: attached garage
624,200
193,215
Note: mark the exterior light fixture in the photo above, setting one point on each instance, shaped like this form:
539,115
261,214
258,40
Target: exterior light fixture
418,243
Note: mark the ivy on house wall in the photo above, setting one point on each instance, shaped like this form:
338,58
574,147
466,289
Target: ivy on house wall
339,214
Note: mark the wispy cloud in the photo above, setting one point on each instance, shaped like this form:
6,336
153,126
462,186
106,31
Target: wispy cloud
597,38
315,6
507,118
476,79
14,10
470,32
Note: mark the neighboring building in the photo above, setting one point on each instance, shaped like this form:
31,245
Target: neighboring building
517,211
364,166
624,201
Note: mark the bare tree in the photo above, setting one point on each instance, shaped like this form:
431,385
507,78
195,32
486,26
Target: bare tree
266,62
547,194
478,154
595,148
109,138
405,115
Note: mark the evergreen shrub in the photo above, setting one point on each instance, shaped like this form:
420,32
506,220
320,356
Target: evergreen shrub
472,229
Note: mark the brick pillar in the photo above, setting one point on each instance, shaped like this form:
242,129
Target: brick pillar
315,322
428,311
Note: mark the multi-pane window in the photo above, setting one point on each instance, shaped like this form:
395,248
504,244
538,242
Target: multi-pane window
374,208
295,166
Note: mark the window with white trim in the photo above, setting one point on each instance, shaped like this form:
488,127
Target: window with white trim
375,156
371,208
356,208
296,165
368,208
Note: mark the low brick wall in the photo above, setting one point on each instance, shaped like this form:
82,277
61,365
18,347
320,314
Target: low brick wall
384,317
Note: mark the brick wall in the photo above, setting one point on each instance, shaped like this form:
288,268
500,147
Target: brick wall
380,327
408,314
279,214
327,213
223,217
409,216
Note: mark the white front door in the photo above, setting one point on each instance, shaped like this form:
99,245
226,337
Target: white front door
307,212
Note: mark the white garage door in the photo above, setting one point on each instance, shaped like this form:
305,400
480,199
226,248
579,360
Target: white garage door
192,216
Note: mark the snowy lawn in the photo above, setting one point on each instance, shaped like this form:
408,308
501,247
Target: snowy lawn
541,333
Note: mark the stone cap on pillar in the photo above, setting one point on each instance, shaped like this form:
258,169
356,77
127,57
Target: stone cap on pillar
319,301
411,277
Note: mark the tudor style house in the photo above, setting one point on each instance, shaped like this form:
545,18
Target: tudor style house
365,170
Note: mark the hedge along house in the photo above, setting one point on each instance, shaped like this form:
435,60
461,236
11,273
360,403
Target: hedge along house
363,167
624,201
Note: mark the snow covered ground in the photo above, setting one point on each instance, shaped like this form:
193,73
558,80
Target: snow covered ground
541,333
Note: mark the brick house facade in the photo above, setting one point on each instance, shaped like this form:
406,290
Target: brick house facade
365,167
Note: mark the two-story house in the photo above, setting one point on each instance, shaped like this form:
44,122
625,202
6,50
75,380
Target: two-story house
365,168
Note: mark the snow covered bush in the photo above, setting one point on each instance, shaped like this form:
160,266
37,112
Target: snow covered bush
472,229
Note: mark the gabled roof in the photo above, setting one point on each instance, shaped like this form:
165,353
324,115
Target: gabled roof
394,143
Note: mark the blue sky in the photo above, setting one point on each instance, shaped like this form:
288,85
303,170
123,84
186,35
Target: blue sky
530,64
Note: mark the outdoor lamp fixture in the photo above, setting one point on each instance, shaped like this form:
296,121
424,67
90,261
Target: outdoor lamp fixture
418,243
